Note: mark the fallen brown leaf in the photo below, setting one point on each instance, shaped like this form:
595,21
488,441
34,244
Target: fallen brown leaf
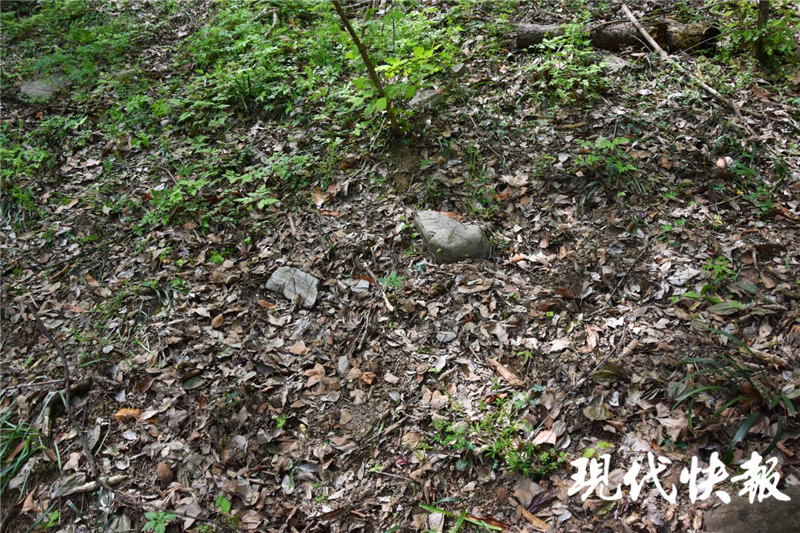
505,373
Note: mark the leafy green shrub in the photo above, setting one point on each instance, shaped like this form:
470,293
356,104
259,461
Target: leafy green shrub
501,437
94,37
607,158
408,50
739,19
567,67
246,60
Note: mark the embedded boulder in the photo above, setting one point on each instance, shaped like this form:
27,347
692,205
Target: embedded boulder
43,88
292,282
767,516
449,240
426,100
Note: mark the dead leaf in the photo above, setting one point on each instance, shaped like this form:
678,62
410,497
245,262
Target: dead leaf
597,412
566,293
537,523
315,375
544,242
127,414
505,373
517,180
71,204
591,340
411,439
559,345
319,197
548,436
298,348
164,474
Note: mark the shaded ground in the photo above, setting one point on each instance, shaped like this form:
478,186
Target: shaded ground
350,415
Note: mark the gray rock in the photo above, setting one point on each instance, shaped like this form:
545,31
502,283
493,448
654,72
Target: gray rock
43,88
448,240
459,69
291,282
426,100
613,63
767,516
445,336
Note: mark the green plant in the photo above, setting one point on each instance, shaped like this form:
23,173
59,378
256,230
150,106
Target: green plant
526,355
501,436
597,449
393,280
454,437
762,198
157,521
461,518
772,40
606,158
567,67
217,257
721,270
19,441
407,59
480,192
223,504
739,385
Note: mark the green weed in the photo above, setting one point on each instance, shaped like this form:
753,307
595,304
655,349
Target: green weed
567,68
393,280
607,159
19,441
721,270
157,521
500,436
734,383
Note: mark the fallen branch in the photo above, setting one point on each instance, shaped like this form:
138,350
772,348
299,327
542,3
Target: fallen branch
87,450
617,35
99,481
710,90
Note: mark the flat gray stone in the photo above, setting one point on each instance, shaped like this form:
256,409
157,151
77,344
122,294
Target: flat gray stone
426,99
448,240
445,336
613,63
767,516
291,282
459,69
43,88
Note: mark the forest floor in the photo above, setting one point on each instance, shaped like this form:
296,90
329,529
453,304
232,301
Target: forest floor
639,298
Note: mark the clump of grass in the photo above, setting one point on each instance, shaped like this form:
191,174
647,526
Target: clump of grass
500,436
19,441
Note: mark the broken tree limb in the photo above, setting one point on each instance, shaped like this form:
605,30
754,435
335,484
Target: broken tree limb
706,87
710,90
617,35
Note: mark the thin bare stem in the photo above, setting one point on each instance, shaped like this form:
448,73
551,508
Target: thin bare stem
373,75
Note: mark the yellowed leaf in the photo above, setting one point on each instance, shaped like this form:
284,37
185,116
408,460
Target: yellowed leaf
127,414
